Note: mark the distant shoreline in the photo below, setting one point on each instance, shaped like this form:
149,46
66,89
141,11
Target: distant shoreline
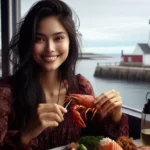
92,56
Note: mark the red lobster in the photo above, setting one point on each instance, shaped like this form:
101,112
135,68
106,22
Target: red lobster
84,102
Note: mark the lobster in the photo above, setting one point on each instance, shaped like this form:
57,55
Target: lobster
84,102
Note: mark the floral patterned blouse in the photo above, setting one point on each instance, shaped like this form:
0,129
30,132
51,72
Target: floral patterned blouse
65,133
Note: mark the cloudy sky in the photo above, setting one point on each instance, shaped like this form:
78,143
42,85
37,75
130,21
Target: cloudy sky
109,26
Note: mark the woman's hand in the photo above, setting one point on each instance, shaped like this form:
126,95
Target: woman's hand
46,115
110,101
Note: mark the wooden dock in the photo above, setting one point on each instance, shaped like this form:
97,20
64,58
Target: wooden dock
93,56
122,72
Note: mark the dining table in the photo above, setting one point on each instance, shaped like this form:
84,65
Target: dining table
137,142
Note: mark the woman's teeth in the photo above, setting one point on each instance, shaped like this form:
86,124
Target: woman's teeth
50,58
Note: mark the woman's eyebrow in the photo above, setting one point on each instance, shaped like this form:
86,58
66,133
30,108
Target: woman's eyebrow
54,34
57,33
41,34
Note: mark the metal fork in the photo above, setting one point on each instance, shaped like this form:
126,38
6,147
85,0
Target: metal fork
68,103
67,106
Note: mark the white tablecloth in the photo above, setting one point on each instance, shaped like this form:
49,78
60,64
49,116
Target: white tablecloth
137,142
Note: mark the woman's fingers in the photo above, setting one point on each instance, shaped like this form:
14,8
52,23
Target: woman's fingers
102,97
50,119
111,104
46,108
52,124
108,101
100,100
51,116
46,115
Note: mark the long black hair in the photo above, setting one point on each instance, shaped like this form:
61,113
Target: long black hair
26,89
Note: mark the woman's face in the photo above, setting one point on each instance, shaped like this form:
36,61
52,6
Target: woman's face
51,46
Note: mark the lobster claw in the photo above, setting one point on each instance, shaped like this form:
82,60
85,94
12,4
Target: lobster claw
77,117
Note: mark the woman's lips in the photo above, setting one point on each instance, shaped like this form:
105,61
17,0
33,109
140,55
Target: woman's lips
50,58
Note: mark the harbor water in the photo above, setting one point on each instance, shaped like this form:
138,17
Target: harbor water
133,93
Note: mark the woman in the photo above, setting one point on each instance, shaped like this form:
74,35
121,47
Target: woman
33,99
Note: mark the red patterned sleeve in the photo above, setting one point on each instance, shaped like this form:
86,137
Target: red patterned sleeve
84,85
9,139
108,127
115,130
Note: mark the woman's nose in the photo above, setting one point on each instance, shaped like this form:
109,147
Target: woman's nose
50,46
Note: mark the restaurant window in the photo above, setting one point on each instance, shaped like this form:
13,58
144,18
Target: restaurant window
0,44
25,5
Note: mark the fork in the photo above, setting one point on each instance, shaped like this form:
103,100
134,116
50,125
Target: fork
68,104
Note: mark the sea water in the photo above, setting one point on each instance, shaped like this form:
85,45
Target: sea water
133,93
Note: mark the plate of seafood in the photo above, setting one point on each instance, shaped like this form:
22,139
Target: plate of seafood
102,143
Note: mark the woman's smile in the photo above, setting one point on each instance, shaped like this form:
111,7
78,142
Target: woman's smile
51,47
50,58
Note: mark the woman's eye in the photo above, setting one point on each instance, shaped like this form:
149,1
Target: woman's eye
38,39
59,38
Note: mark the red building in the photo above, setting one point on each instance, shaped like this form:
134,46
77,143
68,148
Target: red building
133,58
141,55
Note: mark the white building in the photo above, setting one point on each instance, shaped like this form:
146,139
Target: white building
144,50
141,54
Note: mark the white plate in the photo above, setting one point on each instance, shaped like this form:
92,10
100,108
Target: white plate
59,148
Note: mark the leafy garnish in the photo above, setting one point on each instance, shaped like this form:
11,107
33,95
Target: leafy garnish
90,141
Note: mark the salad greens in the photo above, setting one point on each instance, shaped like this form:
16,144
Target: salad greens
90,141
82,147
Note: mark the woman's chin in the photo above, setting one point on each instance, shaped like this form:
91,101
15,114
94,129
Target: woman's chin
50,69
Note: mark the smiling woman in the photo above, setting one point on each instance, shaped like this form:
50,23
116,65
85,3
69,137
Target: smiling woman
51,46
44,102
